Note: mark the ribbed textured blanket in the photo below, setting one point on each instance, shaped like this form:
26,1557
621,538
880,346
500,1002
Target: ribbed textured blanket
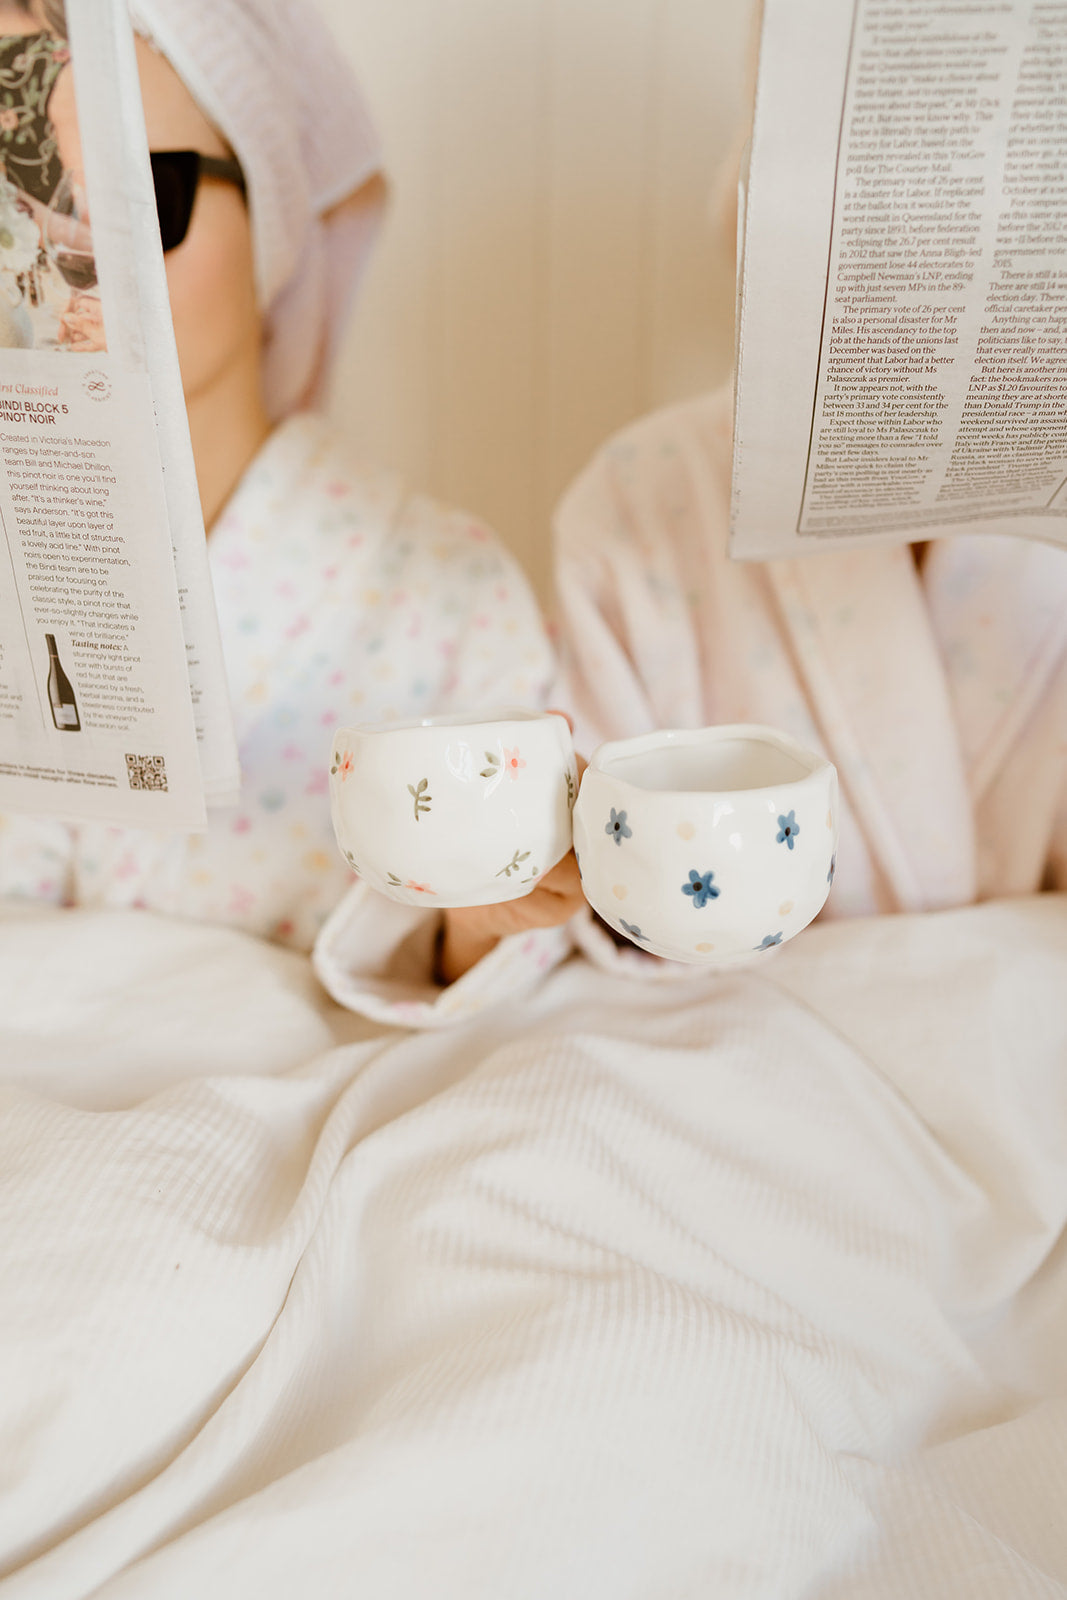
745,1287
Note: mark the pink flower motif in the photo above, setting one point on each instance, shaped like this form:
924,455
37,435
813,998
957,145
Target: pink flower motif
337,489
419,888
292,752
295,629
287,588
242,825
241,899
481,620
9,119
330,573
318,784
513,762
127,867
407,1008
476,531
336,677
344,766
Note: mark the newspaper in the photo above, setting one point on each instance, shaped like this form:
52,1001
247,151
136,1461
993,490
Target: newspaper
113,701
902,327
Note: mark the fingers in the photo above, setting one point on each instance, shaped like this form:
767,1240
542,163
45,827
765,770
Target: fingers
562,880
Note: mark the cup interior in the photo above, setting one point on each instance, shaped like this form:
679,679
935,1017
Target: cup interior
452,719
721,765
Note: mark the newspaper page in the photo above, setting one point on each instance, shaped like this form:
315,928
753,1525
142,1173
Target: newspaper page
113,702
902,328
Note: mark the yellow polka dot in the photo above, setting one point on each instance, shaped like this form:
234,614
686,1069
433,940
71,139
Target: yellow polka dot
298,830
619,890
201,876
258,692
785,908
829,819
704,948
686,830
317,861
372,597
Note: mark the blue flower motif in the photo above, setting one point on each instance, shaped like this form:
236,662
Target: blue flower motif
701,888
833,868
617,827
629,930
769,941
788,828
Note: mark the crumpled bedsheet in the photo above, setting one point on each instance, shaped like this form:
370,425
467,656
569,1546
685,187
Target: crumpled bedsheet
749,1285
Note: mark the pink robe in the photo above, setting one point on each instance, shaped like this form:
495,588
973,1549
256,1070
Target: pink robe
940,693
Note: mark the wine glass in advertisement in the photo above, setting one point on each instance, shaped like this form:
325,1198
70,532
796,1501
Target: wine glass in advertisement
71,295
67,236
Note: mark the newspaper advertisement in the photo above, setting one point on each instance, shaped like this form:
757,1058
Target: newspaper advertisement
113,701
902,328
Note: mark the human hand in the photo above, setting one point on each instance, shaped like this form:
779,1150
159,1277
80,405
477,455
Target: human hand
82,324
470,932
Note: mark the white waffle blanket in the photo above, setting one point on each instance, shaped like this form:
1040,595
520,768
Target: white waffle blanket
629,1292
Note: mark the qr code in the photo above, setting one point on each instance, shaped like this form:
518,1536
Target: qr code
146,772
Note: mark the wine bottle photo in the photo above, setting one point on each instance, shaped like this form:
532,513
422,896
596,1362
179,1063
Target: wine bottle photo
60,693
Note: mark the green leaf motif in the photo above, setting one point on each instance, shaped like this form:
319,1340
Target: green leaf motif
423,801
491,768
513,864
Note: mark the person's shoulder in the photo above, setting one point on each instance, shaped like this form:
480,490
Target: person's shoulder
448,536
705,420
307,465
647,466
310,469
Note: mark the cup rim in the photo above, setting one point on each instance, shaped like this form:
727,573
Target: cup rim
452,720
755,732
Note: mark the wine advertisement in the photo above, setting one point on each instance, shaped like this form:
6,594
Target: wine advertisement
113,703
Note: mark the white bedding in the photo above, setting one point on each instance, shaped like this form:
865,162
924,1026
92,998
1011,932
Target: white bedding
625,1291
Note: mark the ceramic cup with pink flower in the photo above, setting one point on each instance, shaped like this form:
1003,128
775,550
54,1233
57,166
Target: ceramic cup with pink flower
454,810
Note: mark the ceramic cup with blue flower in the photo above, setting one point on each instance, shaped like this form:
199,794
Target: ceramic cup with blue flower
707,845
454,810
